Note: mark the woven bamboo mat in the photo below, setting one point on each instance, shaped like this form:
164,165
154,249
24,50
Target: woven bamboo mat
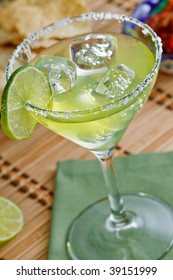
27,168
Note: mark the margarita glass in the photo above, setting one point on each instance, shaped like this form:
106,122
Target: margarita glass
104,78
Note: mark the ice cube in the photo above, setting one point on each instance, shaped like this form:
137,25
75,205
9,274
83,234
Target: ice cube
61,72
116,81
93,51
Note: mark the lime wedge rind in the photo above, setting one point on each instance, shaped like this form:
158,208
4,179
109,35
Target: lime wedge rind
27,83
11,220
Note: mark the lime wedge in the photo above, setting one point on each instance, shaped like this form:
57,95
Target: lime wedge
11,220
26,84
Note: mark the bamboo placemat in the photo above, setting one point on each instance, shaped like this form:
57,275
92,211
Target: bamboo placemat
27,168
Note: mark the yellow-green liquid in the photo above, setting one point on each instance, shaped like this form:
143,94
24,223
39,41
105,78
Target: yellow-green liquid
103,131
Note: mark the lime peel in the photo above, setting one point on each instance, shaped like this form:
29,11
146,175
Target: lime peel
11,220
26,83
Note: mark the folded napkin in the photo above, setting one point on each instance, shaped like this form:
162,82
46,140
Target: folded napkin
79,183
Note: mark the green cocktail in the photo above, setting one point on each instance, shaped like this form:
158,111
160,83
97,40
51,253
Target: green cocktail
99,78
94,88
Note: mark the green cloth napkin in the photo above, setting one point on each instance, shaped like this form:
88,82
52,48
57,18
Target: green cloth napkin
80,183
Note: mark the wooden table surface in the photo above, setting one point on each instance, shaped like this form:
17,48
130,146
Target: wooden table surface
27,168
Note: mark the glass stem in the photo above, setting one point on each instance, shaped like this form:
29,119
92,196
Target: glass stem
118,216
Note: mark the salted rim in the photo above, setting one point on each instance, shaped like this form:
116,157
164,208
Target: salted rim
73,114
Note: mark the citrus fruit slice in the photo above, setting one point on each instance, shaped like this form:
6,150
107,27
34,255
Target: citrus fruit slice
26,84
11,220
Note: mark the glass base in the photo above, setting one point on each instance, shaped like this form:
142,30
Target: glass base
148,233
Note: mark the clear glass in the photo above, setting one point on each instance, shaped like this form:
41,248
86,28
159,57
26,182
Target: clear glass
133,226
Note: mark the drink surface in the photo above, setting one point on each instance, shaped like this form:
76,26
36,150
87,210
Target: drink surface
90,72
